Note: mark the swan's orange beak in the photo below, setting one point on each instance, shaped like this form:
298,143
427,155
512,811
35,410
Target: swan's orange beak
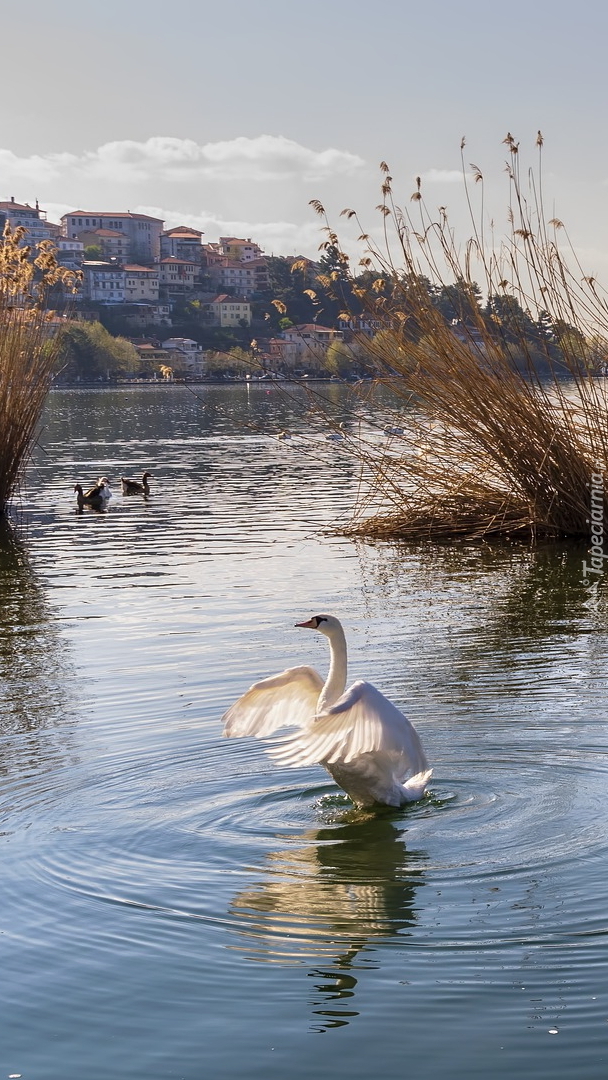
310,625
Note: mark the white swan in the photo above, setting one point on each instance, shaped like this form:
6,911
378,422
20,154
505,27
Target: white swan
106,492
372,751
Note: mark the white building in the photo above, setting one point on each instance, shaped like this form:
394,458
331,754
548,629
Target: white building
239,250
304,345
182,243
141,283
143,232
70,253
104,283
227,310
177,275
32,218
186,354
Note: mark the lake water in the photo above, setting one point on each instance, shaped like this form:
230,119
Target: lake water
174,904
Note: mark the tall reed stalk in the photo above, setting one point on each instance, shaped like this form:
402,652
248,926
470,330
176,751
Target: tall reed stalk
28,347
501,431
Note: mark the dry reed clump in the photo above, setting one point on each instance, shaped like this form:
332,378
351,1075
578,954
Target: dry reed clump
28,346
504,417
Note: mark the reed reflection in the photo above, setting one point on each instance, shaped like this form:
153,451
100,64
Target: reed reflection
348,887
33,670
502,612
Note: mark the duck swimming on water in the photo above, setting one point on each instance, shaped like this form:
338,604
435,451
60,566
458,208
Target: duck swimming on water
93,497
135,487
366,744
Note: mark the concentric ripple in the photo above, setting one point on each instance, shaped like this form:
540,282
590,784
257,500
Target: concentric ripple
163,888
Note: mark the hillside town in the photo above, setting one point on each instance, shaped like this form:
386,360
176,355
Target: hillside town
188,307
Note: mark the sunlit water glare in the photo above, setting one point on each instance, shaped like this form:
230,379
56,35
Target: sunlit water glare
176,905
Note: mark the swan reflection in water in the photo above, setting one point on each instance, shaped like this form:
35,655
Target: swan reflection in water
349,886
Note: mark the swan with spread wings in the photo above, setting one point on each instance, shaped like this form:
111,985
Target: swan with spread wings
367,745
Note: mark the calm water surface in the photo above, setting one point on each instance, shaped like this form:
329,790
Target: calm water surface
175,905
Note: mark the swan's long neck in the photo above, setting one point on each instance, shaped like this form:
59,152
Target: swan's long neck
335,684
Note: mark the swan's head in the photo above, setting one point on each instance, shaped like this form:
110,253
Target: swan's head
325,624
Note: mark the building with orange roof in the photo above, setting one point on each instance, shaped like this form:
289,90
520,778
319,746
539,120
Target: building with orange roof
141,283
182,243
225,310
239,250
142,230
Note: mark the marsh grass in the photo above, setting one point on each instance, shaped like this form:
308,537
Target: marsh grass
503,416
28,347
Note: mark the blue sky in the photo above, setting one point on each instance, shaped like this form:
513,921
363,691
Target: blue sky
231,117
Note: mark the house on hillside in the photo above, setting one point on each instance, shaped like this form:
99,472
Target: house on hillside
303,346
227,311
141,283
31,218
177,276
104,283
182,243
239,250
186,355
112,244
143,232
70,253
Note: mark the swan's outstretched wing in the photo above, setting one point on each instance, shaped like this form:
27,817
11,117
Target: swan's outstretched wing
361,722
288,698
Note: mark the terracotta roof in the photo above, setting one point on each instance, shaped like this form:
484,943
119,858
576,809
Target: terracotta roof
182,230
172,261
145,269
223,298
109,214
309,327
99,264
104,232
17,206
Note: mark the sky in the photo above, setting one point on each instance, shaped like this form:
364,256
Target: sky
231,117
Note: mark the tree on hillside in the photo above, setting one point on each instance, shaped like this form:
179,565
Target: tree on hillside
87,351
459,301
339,359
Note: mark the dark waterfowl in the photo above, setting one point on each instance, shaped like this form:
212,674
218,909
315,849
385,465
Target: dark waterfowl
135,487
93,497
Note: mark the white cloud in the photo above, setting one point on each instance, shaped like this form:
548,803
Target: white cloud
442,176
274,237
264,158
37,168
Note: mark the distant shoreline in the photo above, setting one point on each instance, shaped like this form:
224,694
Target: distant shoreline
108,384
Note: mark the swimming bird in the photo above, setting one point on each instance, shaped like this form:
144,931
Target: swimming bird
106,491
367,745
283,435
136,487
93,497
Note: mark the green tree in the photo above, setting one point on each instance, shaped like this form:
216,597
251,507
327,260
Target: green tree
235,361
459,301
338,359
87,351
